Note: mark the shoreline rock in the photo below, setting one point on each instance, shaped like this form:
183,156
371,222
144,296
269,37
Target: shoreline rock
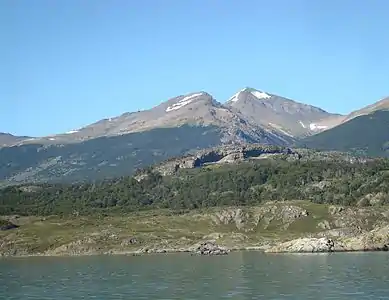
210,248
374,240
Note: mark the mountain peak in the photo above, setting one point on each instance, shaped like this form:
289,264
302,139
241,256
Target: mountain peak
258,94
181,101
279,113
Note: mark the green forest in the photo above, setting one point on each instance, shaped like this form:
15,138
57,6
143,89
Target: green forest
249,183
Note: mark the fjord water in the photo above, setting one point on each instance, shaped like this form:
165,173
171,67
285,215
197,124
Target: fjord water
240,275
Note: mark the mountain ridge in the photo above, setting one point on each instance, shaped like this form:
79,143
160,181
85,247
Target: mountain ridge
137,121
283,114
119,145
365,134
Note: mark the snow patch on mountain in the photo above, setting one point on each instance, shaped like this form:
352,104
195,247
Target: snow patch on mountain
71,132
183,102
236,96
314,126
260,95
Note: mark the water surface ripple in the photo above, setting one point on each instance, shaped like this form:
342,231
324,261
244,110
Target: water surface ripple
240,275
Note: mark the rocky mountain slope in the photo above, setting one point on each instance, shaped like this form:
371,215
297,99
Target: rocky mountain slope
366,134
103,157
195,109
119,145
382,105
285,115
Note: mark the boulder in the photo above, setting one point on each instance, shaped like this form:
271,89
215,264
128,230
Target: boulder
324,225
209,248
129,242
7,225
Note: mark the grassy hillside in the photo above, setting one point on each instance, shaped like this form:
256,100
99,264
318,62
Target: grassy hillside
166,230
367,134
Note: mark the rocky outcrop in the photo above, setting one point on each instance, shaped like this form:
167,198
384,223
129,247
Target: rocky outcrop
129,242
305,245
263,216
7,225
375,240
209,248
229,216
225,154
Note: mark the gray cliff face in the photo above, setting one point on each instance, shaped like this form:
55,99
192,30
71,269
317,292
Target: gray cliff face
230,154
223,155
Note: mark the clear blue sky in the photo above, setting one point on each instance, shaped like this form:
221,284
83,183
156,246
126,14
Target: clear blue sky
65,64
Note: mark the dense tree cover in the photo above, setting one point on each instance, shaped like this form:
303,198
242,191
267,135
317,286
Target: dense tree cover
367,134
242,184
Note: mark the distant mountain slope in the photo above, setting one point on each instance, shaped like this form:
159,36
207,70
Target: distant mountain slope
7,139
117,146
102,157
285,115
380,105
367,134
198,109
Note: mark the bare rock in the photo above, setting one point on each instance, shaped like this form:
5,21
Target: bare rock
213,236
341,232
7,225
229,216
305,245
129,242
335,210
291,213
377,239
209,248
324,225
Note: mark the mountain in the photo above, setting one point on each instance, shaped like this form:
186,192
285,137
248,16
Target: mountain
381,105
7,139
120,145
197,109
103,157
362,132
285,115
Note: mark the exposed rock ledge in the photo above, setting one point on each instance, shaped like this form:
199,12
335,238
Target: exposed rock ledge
375,240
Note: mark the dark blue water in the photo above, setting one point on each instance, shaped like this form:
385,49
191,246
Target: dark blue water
240,275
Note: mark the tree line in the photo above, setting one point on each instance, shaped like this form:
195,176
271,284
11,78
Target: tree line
249,183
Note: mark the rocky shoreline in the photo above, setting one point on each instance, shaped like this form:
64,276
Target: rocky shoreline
211,248
289,227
